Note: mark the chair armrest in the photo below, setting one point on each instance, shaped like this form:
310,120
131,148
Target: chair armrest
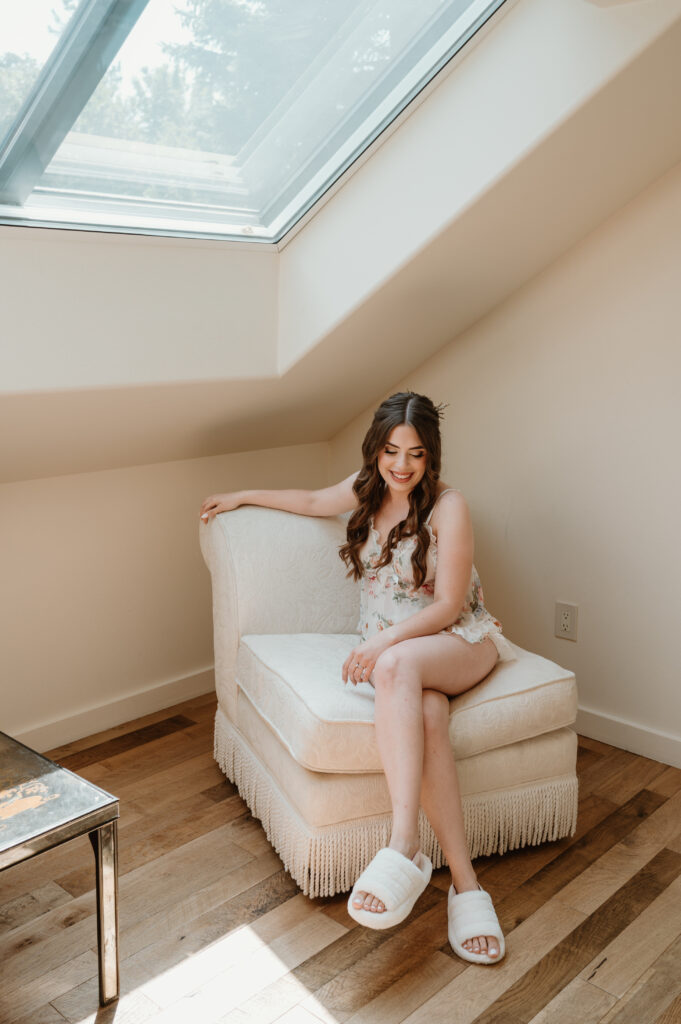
274,572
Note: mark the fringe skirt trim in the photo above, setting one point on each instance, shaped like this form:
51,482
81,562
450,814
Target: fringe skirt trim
327,860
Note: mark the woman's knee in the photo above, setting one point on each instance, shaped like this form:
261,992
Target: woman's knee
390,667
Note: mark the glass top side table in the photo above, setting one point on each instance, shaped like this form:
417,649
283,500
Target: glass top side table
43,805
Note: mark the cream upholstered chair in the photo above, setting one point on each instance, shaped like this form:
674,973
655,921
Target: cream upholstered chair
300,745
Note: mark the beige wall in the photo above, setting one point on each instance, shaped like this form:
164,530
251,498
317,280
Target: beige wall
92,310
106,600
563,430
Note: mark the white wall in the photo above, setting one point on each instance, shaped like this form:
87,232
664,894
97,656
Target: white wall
563,430
106,605
509,90
87,309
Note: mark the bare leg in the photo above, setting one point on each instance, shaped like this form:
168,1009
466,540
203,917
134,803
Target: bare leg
442,666
441,801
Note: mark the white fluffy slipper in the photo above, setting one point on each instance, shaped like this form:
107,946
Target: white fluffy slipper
396,881
470,914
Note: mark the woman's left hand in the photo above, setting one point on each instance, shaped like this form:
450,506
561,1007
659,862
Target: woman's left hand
359,664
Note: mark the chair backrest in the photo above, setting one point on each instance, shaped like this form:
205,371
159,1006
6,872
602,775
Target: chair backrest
275,572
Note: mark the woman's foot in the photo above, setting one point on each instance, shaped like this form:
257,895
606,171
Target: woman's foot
485,944
366,900
483,948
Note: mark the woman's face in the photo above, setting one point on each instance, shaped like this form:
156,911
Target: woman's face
402,460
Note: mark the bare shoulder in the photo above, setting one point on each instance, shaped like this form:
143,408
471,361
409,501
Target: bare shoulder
451,509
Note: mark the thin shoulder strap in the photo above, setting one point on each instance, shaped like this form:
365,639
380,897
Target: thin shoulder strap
446,490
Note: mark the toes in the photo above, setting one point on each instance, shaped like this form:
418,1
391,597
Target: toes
365,901
483,944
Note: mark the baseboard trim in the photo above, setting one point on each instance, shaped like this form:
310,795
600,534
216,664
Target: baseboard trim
106,716
659,746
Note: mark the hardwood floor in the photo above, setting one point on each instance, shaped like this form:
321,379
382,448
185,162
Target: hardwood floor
214,930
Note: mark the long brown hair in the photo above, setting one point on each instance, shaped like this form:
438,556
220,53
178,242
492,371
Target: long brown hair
419,412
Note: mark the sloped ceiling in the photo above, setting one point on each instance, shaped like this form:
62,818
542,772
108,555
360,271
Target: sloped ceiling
385,273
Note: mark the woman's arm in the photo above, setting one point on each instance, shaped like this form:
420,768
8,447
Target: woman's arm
452,579
329,501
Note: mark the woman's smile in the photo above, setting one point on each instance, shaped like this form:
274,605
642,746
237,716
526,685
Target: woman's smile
404,448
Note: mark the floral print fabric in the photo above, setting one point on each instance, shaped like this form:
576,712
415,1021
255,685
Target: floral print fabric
388,595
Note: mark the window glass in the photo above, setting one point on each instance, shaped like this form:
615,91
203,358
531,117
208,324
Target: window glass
29,31
230,116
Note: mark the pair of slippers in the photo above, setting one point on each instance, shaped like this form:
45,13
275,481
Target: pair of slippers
398,882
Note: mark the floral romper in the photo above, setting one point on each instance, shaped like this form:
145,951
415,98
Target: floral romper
388,594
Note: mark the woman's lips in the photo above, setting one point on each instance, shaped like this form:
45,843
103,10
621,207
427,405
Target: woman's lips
401,479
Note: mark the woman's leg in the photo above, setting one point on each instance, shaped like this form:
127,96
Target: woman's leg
447,665
441,802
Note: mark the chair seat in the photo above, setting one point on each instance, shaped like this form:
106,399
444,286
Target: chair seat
294,683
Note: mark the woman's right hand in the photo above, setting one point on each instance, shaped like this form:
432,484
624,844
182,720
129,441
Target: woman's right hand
219,503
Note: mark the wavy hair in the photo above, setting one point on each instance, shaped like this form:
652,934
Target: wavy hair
419,412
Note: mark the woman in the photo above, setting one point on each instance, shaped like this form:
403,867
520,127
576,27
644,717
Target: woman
426,637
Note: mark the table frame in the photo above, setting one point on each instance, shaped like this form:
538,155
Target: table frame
101,827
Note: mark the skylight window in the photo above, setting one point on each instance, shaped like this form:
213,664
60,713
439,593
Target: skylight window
224,118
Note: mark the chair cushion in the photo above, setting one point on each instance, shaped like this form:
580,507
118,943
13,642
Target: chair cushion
294,683
323,799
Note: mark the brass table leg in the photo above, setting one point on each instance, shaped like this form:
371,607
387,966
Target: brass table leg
105,845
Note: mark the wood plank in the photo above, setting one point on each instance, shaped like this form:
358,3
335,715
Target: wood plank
598,745
23,1000
568,865
81,1006
611,766
653,998
409,992
668,783
43,1015
586,758
39,871
403,950
355,945
266,910
127,741
622,785
501,874
601,879
298,1015
212,990
478,988
578,1001
538,986
220,791
194,704
32,905
175,918
150,759
636,948
197,872
142,891
159,835
672,1014
266,1005
171,924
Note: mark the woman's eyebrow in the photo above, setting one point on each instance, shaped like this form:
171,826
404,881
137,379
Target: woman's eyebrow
416,448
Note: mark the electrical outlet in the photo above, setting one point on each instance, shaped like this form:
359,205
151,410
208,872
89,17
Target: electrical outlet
566,621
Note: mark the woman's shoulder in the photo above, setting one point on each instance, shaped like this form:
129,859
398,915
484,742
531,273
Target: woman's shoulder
449,497
450,506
